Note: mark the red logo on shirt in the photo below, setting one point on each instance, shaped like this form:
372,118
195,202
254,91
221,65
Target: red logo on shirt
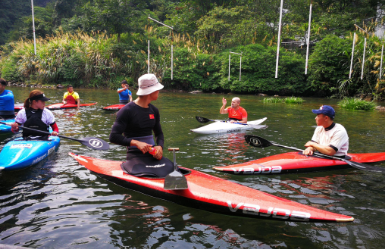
152,116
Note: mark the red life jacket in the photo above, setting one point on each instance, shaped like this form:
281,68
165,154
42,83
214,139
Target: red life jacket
70,99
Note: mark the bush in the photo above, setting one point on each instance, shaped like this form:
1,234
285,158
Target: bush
356,104
289,100
329,64
294,100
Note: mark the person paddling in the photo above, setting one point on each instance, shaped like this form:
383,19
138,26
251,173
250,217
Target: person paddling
237,114
329,138
133,128
36,116
125,94
7,102
71,97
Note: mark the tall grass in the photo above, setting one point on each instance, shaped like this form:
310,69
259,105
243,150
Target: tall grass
356,104
273,100
289,100
78,59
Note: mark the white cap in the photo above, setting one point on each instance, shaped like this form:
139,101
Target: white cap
148,83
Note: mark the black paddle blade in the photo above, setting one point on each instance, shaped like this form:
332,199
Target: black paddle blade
365,166
95,143
202,119
257,141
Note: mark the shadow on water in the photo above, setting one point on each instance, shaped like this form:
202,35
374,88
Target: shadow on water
60,204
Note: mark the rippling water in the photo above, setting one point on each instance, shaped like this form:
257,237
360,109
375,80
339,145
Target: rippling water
60,204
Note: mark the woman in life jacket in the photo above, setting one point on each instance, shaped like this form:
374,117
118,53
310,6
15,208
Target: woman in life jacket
35,116
134,127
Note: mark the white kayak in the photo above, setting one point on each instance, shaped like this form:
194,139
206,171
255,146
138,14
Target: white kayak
220,126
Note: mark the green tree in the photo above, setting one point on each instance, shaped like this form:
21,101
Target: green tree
43,24
10,12
113,16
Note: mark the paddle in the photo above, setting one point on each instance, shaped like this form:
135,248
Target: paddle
260,142
175,180
91,142
206,120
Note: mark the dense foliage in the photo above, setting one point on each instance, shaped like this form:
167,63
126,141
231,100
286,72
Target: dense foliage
357,104
99,42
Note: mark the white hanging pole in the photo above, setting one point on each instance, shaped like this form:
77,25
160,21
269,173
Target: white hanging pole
172,64
240,67
148,57
240,64
33,27
382,53
308,40
279,38
229,64
363,61
160,23
351,61
172,61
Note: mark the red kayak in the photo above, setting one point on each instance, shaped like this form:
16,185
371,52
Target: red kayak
114,107
58,106
293,162
213,194
18,107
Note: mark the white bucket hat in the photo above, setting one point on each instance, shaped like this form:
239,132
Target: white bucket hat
148,83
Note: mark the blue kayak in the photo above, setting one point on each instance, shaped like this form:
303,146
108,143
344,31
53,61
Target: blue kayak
6,128
19,153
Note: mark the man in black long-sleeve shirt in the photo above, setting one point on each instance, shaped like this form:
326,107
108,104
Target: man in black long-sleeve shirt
133,128
134,122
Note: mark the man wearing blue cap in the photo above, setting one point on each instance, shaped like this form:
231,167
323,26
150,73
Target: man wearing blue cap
329,138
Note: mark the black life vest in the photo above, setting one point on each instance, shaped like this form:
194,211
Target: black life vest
34,121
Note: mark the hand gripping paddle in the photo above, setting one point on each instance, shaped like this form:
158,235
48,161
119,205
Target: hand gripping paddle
260,142
91,142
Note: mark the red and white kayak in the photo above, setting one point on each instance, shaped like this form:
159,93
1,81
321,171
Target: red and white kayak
58,106
293,162
220,126
213,194
114,107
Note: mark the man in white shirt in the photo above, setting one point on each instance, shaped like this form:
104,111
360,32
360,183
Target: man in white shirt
329,138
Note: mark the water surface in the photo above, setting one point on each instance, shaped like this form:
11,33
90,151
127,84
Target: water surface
60,204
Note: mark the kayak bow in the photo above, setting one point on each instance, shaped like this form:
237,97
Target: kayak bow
6,128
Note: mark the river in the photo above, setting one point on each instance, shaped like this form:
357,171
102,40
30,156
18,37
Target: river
60,204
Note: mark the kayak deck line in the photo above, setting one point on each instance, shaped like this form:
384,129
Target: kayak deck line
294,162
213,194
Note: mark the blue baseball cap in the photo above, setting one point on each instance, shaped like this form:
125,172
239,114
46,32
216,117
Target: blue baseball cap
325,110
